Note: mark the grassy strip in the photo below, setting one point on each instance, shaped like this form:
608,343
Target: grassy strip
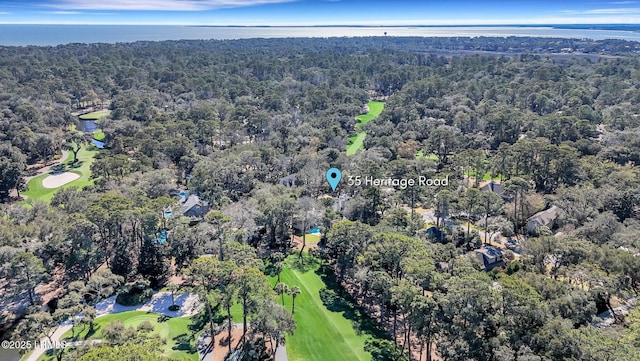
375,108
334,331
95,115
356,142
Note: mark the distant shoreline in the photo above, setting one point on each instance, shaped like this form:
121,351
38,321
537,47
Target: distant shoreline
52,35
619,27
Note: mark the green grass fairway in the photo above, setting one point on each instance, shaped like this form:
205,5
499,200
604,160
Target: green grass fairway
174,330
356,142
375,108
95,115
321,334
83,168
99,135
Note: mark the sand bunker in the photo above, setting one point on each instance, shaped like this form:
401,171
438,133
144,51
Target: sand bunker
58,180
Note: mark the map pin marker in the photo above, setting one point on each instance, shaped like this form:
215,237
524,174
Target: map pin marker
333,177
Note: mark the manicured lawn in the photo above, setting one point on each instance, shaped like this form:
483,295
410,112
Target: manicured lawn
82,167
375,108
99,135
95,115
356,142
174,330
312,238
321,334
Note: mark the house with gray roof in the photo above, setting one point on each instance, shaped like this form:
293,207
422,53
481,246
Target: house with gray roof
193,206
490,257
545,218
492,186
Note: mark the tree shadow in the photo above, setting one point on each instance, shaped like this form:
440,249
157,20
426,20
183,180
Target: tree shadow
80,335
77,164
303,264
198,321
336,299
184,342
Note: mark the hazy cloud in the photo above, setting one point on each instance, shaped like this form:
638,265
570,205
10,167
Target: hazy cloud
166,5
64,12
610,11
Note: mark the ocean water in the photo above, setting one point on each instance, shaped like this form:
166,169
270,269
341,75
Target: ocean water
64,34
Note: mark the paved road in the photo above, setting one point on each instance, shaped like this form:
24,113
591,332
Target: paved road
35,355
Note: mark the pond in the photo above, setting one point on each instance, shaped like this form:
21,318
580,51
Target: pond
88,126
98,144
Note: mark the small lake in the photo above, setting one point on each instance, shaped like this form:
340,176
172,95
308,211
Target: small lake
88,126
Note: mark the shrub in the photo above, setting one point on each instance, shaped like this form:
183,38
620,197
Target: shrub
135,294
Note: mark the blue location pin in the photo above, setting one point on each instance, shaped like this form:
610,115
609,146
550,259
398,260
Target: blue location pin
333,177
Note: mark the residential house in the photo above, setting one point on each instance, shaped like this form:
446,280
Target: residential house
491,257
545,218
492,186
193,206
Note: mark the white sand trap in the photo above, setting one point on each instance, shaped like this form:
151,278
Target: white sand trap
58,180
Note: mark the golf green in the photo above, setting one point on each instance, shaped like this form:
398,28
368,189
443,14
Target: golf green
83,168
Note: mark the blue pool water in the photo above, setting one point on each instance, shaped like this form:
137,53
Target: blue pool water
163,237
314,230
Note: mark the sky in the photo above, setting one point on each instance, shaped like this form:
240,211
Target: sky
319,12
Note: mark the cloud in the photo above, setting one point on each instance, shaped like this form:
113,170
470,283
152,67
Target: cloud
64,12
159,5
4,13
609,11
623,2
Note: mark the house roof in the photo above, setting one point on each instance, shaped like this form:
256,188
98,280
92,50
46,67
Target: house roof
490,252
490,257
545,217
191,202
492,186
